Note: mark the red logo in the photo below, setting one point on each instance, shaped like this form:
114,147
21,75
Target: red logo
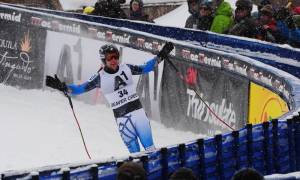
191,76
140,42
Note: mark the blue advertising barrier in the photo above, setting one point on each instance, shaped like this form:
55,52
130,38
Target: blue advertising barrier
270,148
285,58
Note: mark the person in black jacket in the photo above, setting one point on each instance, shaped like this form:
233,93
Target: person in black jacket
203,19
191,21
206,16
244,24
109,8
137,11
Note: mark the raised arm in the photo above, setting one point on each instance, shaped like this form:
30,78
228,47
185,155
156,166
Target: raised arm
151,64
92,83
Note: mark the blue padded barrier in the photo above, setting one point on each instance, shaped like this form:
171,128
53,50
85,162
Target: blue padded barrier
214,158
297,141
283,144
292,158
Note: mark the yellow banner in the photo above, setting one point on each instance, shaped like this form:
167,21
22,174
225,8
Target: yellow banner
264,105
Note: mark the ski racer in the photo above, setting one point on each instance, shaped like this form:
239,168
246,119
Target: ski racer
116,83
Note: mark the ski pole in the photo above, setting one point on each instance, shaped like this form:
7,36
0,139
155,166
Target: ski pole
78,125
198,94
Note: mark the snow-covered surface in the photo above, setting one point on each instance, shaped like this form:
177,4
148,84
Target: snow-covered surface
175,18
38,129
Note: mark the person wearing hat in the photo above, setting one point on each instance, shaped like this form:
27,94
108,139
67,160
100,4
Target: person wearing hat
116,82
193,8
244,24
290,29
223,19
204,17
267,29
110,9
136,11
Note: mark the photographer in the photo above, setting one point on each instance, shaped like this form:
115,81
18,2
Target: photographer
109,8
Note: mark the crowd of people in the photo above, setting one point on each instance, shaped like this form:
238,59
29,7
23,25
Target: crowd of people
280,24
112,8
277,25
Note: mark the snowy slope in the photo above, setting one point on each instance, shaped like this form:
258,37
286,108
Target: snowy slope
38,129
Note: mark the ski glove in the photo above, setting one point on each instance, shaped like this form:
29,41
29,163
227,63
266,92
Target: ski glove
164,52
55,83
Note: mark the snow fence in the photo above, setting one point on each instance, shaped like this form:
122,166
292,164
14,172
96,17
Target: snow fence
271,147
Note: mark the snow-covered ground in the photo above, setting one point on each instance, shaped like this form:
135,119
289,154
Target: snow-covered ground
38,129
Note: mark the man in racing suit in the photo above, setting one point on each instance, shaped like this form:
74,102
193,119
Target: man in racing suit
116,83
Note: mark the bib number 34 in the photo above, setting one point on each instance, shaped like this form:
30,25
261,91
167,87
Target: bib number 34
122,92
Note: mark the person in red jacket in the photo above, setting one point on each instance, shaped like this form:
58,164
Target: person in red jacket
267,30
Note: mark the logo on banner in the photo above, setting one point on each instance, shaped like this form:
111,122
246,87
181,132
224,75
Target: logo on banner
20,63
185,53
155,45
92,31
56,25
198,110
140,42
191,76
201,58
6,44
125,39
11,17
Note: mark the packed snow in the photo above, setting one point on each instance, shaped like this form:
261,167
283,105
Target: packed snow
38,129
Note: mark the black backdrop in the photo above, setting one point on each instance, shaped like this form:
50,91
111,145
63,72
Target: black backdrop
227,96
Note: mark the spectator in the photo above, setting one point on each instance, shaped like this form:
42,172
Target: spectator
296,19
192,20
247,174
205,17
288,26
109,9
261,4
88,10
296,10
267,30
137,11
131,171
244,24
183,174
223,17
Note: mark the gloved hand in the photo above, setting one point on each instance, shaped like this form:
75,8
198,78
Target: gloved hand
164,52
55,83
